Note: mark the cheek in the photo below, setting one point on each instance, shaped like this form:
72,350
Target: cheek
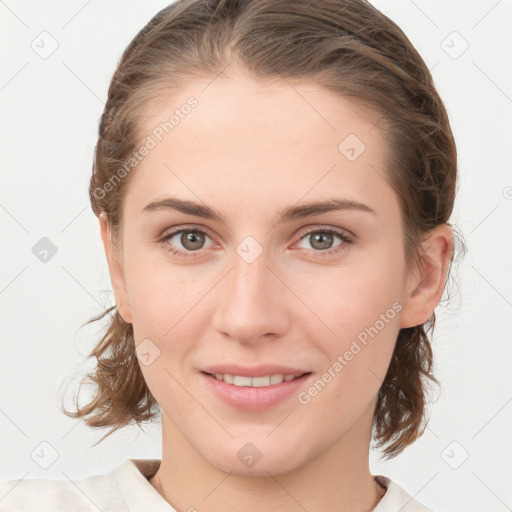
161,303
361,305
354,297
159,295
364,315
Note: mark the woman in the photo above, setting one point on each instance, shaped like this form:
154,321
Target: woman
273,182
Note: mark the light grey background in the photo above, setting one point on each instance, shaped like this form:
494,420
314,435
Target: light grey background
50,108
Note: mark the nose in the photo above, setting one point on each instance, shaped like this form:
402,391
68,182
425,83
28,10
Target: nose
252,300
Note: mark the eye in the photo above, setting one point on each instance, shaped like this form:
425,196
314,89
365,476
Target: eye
322,239
190,240
183,242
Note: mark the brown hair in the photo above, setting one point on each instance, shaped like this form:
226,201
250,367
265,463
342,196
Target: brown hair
346,46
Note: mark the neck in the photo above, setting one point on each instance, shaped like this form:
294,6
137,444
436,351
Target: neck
338,479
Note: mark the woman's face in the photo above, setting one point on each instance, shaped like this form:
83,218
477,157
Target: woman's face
257,281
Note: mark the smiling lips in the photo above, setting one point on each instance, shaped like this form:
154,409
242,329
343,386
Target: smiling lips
255,382
256,376
256,388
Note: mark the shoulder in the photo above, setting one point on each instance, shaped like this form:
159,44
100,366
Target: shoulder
397,499
124,488
99,492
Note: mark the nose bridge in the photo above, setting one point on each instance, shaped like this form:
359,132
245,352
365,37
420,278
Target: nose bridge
250,300
251,279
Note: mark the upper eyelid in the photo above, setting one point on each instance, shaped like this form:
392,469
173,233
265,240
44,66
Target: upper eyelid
337,230
174,231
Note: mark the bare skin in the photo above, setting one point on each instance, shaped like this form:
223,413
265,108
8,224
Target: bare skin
248,151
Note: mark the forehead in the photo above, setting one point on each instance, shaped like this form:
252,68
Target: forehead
262,138
251,109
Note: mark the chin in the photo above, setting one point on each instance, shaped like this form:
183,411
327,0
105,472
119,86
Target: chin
246,459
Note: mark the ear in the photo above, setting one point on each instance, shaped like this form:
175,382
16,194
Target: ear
426,284
115,268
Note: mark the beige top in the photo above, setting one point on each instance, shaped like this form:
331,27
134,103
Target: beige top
126,488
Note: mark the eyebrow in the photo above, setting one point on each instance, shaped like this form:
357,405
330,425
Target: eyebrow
290,213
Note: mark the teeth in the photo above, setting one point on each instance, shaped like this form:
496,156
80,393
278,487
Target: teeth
242,381
277,379
259,382
255,382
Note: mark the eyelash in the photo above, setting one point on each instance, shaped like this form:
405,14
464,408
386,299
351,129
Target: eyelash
328,252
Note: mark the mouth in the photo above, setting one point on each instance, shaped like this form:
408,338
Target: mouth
251,392
262,381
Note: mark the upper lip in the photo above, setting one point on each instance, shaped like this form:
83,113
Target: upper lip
254,371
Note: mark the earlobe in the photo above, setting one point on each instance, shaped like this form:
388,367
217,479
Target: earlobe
115,268
428,282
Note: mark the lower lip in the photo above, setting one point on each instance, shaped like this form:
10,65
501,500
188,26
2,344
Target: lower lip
253,399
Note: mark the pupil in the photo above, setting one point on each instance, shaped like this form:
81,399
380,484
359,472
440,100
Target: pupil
192,240
327,240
